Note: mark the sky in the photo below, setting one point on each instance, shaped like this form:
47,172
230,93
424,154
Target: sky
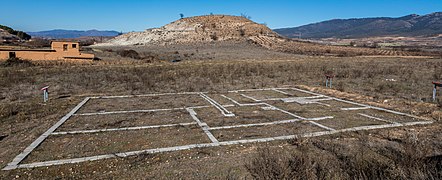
138,15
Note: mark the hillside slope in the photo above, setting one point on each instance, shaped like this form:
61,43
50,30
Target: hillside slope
194,30
5,35
411,25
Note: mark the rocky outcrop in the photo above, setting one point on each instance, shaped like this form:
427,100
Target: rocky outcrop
194,30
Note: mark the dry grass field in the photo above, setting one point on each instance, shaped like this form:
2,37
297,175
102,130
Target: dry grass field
402,84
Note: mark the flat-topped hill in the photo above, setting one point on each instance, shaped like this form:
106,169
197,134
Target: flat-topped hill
196,29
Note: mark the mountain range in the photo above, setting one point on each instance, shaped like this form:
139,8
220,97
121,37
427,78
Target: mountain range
67,34
410,25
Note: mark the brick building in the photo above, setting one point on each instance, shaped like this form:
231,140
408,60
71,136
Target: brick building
59,51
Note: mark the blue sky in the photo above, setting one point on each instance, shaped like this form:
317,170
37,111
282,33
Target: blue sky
137,15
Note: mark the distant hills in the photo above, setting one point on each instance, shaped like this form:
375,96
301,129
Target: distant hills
411,25
68,34
7,33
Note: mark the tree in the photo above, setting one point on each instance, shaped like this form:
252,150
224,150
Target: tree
181,15
352,43
242,32
25,36
214,37
20,34
246,16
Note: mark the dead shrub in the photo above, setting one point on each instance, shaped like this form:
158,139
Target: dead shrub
141,158
232,174
439,103
268,164
368,169
435,166
8,111
129,53
38,43
340,86
332,160
437,115
437,74
16,62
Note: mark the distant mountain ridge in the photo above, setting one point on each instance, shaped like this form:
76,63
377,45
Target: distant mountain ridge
66,34
410,25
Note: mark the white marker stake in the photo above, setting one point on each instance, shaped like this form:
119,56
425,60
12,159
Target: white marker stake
45,93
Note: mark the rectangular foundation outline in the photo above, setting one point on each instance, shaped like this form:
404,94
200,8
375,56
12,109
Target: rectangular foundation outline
193,146
16,161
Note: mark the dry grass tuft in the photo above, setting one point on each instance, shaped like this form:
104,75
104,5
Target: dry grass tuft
332,160
16,62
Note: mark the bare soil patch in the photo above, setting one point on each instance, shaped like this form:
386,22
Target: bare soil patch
243,115
238,98
81,145
220,99
296,93
125,120
340,104
139,103
265,131
265,94
349,120
307,110
389,116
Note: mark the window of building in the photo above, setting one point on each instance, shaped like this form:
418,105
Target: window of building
12,55
65,47
74,46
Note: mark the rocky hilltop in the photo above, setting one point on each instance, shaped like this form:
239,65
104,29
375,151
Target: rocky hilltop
196,29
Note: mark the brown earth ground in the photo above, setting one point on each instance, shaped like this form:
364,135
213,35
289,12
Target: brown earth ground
23,117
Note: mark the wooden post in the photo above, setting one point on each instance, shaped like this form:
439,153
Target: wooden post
436,84
328,80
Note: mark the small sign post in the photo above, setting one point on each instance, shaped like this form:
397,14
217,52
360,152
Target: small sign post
436,84
45,93
328,80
